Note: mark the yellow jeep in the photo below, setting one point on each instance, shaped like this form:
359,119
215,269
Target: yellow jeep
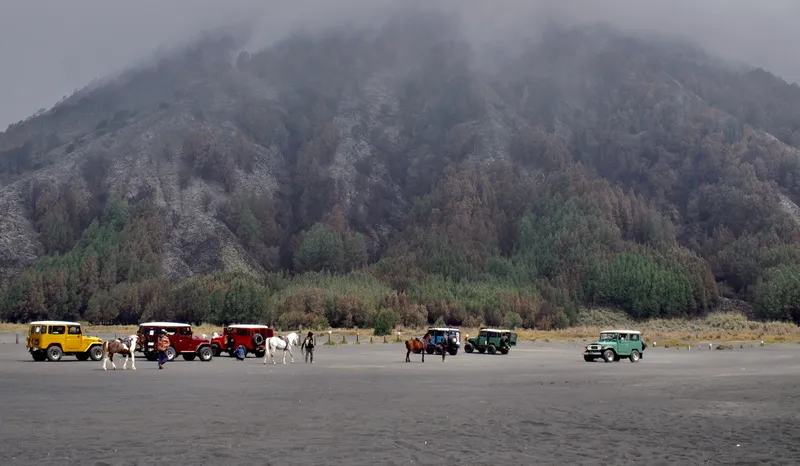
52,339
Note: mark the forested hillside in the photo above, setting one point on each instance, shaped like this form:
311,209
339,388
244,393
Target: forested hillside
396,174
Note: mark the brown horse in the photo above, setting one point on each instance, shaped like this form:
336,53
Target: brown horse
123,346
417,344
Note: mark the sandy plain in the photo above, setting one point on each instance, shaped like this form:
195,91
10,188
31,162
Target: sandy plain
362,404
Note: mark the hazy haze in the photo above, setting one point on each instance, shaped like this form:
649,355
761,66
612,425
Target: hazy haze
50,48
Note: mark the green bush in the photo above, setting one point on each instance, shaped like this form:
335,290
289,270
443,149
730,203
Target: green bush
385,322
512,320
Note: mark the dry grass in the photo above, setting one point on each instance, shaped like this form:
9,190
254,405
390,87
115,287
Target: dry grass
719,327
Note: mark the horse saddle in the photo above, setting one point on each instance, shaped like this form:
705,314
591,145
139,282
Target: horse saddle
285,340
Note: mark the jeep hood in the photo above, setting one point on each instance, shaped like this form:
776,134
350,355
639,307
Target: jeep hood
602,343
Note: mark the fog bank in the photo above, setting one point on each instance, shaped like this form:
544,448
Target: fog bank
51,48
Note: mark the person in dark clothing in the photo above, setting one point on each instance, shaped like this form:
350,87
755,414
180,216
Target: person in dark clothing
308,345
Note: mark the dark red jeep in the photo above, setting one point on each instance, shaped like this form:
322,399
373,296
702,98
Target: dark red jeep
181,341
252,336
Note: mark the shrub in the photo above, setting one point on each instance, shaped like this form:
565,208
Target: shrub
385,322
512,320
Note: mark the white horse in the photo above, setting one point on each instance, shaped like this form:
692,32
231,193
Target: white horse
124,346
284,344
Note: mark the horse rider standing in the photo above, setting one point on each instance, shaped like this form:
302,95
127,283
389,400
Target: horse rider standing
308,344
161,346
444,343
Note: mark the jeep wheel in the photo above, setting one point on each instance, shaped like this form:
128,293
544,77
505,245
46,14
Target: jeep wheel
171,353
96,353
452,351
189,356
38,356
259,354
492,349
205,353
588,358
151,356
82,356
505,350
54,353
430,350
468,348
609,356
634,356
216,350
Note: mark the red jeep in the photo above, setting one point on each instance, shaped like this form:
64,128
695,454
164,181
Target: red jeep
252,336
181,341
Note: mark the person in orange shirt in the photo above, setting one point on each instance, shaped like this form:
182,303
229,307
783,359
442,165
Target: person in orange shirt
162,345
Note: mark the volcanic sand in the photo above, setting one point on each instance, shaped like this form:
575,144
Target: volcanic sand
362,404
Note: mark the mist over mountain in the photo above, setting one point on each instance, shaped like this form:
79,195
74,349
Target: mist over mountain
78,42
410,167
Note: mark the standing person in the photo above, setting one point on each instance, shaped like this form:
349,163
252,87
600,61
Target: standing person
445,343
308,344
161,346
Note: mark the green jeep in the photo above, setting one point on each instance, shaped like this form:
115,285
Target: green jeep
492,339
616,344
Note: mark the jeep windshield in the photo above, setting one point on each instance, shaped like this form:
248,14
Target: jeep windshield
608,336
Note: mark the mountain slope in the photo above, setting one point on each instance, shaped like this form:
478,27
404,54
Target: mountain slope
591,168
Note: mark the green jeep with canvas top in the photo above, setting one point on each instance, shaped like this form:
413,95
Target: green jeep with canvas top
492,340
614,345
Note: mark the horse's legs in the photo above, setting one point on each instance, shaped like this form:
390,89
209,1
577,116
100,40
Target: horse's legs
125,363
105,358
423,354
133,358
114,366
266,352
290,353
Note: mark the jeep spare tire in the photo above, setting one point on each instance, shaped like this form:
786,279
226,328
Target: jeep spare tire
258,339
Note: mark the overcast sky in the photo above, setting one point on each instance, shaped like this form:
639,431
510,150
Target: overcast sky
49,48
